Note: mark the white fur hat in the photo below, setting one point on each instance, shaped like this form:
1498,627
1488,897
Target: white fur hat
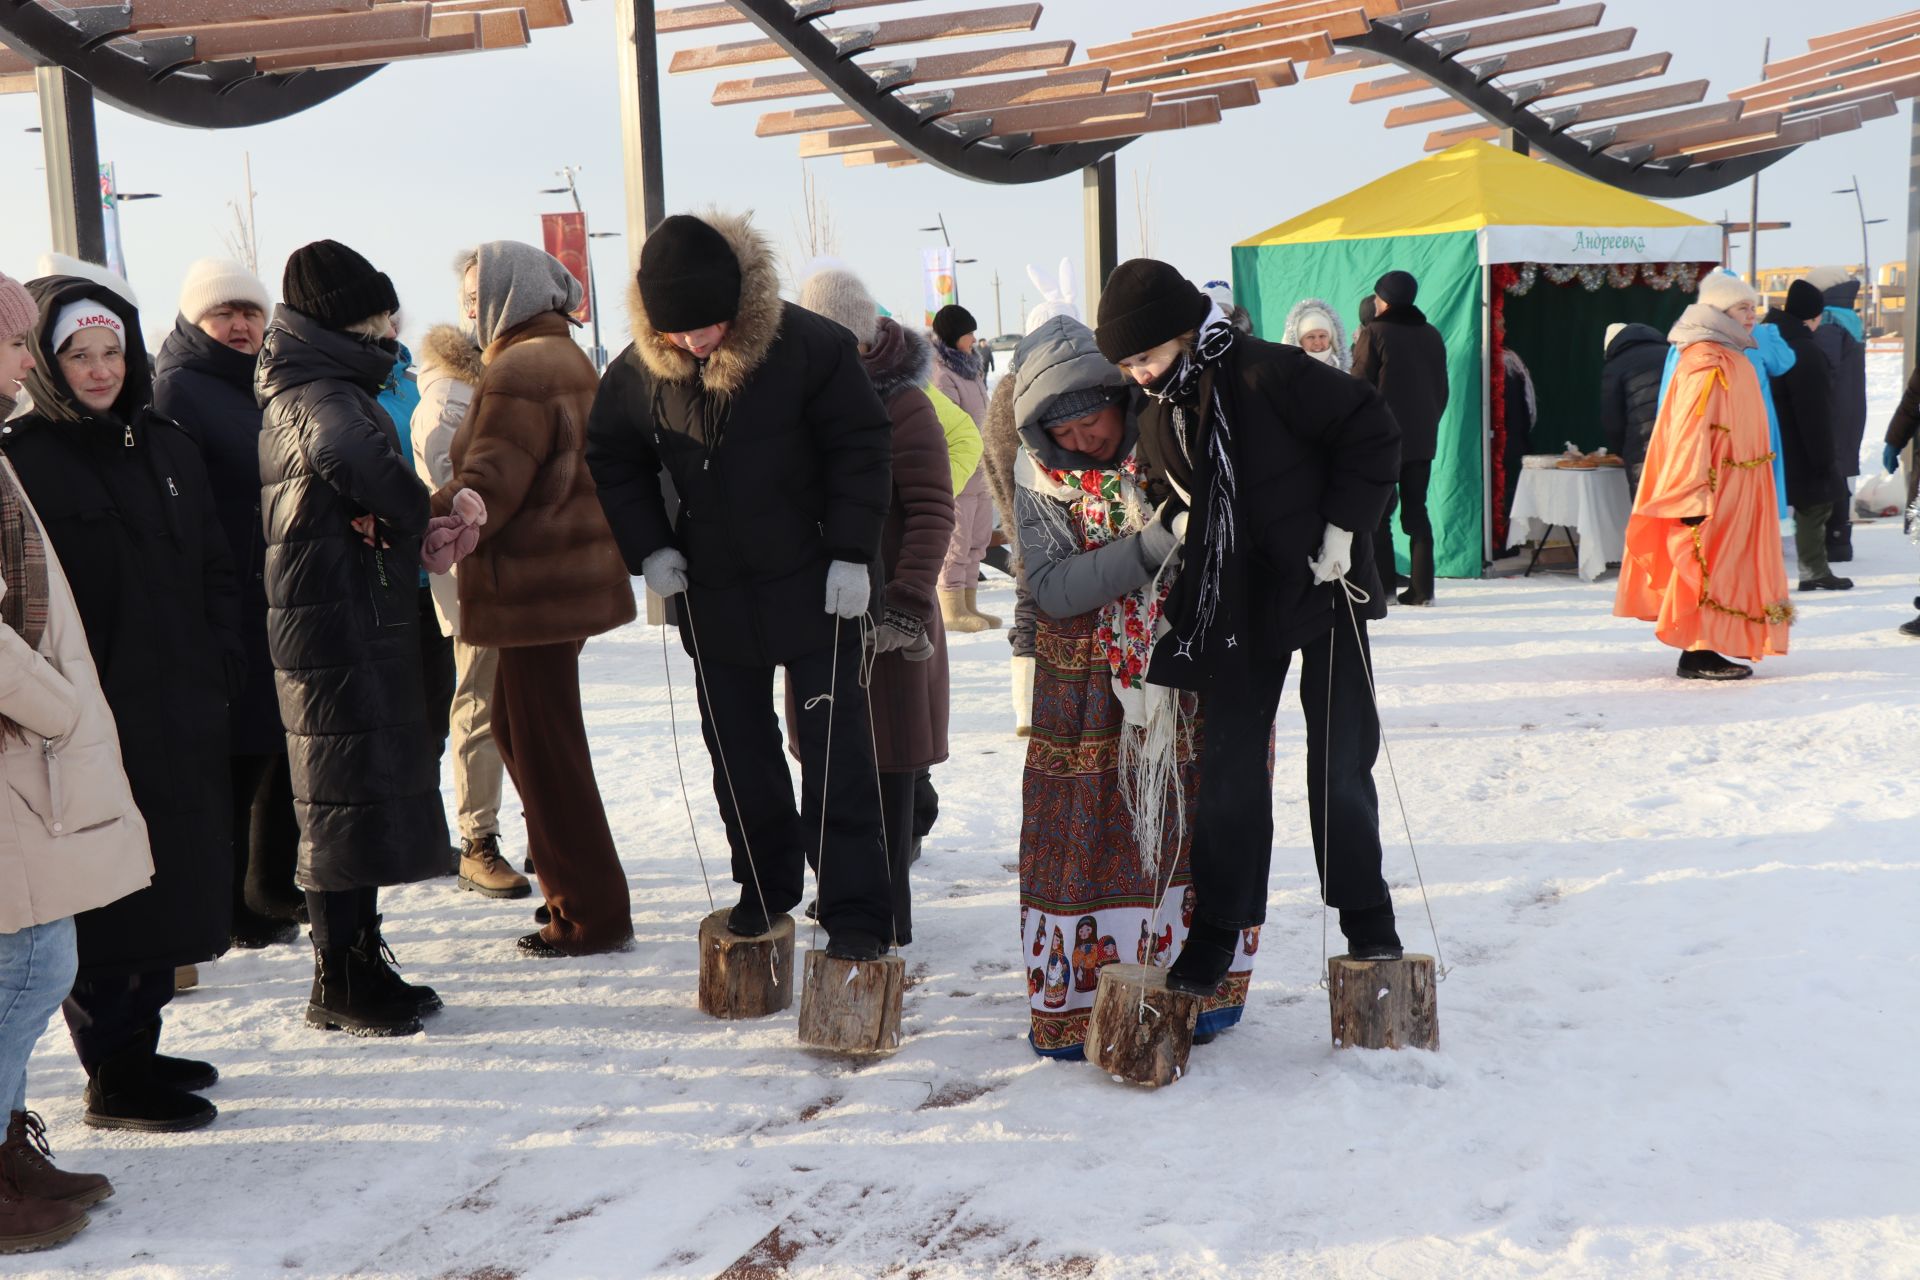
59,264
839,295
212,281
1723,291
1825,278
1613,331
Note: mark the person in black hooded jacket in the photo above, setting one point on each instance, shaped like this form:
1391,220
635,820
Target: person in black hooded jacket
1803,396
345,519
1287,465
125,499
1630,393
203,380
1405,358
781,454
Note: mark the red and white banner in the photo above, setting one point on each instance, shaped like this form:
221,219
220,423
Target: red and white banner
566,239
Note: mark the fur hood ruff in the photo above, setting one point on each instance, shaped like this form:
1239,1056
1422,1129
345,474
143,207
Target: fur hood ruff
755,326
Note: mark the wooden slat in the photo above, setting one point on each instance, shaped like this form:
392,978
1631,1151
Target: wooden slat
497,28
1660,98
1237,59
1235,19
1316,34
1552,23
1171,116
930,69
973,97
1894,23
482,33
1441,139
388,23
1232,95
1754,126
150,15
1897,89
1794,135
1274,75
1447,13
1518,60
706,17
1641,68
1835,52
15,64
17,82
1106,107
1302,14
935,26
1344,64
1650,127
1902,60
542,15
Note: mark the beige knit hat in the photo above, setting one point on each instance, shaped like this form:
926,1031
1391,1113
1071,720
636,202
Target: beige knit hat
212,281
841,297
17,312
1723,291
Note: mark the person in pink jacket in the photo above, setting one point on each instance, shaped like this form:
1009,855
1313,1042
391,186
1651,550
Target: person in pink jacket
957,375
71,838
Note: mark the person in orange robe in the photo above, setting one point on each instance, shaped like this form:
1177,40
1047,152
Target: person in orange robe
1703,561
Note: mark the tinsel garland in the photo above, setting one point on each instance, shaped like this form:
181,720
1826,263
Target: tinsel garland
1519,279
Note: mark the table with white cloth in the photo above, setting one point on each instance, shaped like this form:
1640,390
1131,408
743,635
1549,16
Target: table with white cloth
1592,503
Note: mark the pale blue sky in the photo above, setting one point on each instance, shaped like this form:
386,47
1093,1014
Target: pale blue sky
426,157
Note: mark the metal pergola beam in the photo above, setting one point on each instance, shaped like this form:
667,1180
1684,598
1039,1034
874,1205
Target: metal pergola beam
73,164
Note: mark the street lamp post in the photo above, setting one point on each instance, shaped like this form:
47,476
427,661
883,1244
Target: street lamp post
593,286
1866,262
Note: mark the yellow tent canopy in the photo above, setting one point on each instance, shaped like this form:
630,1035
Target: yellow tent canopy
1522,210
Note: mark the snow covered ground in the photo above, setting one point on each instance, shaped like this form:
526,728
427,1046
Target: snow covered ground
1679,1037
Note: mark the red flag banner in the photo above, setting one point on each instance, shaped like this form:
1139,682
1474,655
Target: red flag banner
566,239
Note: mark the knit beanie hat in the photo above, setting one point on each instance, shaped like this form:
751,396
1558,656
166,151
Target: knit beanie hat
840,296
1613,331
689,277
1397,289
1071,406
1825,278
1221,292
1723,291
1804,301
17,312
1145,304
335,285
86,314
952,323
211,282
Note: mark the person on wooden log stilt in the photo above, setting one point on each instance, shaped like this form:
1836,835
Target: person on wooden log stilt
780,453
1110,774
1282,461
908,690
544,578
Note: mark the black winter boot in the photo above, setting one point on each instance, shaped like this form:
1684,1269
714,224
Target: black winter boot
1204,959
124,1092
852,944
342,1000
1912,628
1420,589
1370,933
375,970
190,1074
749,918
1705,664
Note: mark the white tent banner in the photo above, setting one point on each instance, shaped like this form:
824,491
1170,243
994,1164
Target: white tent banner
1599,244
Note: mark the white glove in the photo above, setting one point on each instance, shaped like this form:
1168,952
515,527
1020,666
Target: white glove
1179,526
1336,555
848,589
666,572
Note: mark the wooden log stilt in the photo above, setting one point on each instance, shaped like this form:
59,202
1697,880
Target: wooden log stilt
852,1006
745,977
1383,1004
1140,1030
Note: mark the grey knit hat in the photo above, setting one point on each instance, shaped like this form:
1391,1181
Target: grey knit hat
1071,406
842,298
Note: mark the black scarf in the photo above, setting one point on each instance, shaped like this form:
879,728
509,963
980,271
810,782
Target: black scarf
1206,613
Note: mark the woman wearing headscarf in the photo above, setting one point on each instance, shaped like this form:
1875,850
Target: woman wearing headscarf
1703,560
348,529
124,498
546,577
1315,329
72,840
1111,764
1283,460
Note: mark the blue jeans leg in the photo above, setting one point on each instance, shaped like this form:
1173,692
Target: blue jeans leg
37,968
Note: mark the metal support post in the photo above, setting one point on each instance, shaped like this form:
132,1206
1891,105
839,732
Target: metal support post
640,122
1100,193
73,164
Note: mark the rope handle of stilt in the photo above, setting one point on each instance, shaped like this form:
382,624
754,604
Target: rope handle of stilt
719,749
686,800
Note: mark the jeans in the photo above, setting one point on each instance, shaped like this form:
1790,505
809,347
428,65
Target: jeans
37,968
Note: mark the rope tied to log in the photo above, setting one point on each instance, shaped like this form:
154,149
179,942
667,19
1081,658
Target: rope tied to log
1354,594
673,721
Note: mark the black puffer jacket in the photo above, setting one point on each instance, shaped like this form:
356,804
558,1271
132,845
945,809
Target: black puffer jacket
1803,397
1630,390
207,387
343,617
126,504
1316,447
1847,357
1405,358
780,452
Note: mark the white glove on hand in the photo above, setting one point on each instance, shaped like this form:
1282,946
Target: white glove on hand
1336,555
920,649
848,589
666,572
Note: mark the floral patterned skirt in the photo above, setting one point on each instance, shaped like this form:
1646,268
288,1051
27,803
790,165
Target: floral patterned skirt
1085,900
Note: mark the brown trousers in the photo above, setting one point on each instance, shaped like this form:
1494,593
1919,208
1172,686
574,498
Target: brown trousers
537,725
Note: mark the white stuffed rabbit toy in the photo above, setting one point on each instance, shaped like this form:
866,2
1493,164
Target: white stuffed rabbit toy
1058,299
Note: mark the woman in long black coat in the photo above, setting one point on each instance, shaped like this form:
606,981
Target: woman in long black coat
345,515
206,385
124,497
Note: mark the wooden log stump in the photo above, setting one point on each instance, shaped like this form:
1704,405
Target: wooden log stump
1140,1031
1383,1004
852,1006
745,977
